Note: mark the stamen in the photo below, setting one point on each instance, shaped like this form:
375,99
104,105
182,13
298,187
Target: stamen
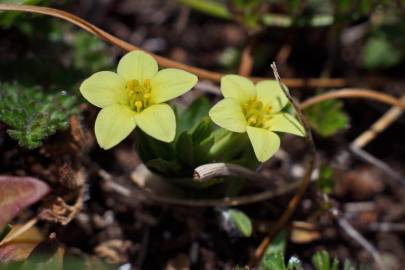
252,120
257,113
138,105
138,94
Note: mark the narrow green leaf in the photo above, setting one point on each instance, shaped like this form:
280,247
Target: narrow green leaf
326,182
241,222
273,261
210,7
185,149
189,118
321,260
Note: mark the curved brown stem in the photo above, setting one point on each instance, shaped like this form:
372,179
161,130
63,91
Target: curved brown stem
164,62
224,202
354,93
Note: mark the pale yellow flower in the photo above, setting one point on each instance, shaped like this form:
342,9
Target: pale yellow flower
135,96
257,111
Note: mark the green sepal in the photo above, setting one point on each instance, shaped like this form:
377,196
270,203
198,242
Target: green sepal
185,149
189,118
163,167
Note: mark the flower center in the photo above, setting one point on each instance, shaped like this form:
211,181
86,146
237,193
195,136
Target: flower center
256,113
138,94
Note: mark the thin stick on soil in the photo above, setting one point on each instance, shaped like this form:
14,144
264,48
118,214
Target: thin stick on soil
135,194
366,156
14,234
370,134
294,202
378,127
209,171
164,62
246,63
355,235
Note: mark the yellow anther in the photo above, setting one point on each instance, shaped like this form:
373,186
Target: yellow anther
252,120
139,94
256,112
131,84
258,105
146,82
138,105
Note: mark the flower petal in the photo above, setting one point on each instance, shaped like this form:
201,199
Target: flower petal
270,92
285,122
238,87
158,121
104,88
113,124
265,143
170,83
137,65
228,114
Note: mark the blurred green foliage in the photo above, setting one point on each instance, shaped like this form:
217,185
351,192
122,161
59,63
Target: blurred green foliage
31,115
273,257
8,18
385,47
384,42
51,53
327,118
69,263
322,261
326,182
255,14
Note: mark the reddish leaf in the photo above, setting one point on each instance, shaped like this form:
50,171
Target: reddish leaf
14,252
17,193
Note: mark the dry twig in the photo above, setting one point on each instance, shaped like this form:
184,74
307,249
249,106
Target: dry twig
14,234
294,202
246,62
355,235
209,171
379,126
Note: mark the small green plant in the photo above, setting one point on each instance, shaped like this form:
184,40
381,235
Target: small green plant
322,261
7,19
327,118
326,181
31,115
173,142
256,110
236,222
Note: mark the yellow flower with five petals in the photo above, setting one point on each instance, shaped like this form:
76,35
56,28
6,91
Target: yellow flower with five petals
257,110
135,96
